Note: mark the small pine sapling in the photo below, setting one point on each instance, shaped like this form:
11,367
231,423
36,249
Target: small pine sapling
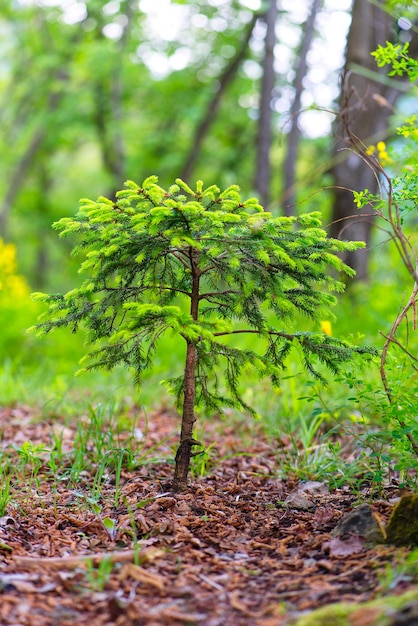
206,266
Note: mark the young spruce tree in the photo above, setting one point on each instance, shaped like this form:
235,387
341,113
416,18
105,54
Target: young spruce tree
206,266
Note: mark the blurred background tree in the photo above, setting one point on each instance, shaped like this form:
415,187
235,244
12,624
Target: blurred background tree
260,93
367,102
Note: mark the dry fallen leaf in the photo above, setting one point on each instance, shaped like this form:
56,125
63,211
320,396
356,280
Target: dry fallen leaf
345,547
143,576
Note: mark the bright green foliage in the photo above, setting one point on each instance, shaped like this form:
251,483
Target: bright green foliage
397,55
204,265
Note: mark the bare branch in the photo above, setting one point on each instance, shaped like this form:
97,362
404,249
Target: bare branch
398,343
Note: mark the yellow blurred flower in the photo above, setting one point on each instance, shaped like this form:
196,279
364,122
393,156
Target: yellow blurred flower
12,285
381,155
384,158
326,327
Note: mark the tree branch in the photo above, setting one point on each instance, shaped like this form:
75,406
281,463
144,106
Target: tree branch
398,343
211,294
256,332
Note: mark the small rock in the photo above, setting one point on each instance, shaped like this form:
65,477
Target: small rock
361,522
299,502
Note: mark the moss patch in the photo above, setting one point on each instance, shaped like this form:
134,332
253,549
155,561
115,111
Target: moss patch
402,527
388,611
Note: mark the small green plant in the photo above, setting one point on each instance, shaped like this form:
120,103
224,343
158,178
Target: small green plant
112,460
398,56
94,440
201,462
109,524
98,577
403,570
4,493
31,455
207,267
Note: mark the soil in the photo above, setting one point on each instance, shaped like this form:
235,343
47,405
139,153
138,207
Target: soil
241,546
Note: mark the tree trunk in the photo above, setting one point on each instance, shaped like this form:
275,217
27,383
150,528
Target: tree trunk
293,137
184,452
264,135
366,118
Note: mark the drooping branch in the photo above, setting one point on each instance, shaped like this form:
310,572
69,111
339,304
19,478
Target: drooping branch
408,257
366,103
143,288
402,347
213,294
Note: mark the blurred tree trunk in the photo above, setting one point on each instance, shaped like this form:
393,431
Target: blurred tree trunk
42,223
264,134
209,115
25,162
108,96
38,97
365,107
293,137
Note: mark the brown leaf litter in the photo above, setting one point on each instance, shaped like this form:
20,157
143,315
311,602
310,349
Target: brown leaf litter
240,547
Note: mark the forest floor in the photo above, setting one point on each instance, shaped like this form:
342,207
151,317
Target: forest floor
228,551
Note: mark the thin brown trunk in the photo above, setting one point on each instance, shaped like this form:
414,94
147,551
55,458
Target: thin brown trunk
209,116
264,135
184,452
293,136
